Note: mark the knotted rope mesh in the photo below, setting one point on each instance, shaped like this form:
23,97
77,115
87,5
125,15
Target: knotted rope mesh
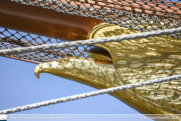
15,39
142,15
138,15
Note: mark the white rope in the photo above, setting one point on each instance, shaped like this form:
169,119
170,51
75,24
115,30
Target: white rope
74,97
15,51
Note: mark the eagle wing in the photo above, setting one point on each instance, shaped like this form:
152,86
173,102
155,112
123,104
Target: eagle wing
143,59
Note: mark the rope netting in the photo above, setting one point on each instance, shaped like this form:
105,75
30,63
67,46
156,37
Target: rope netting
130,61
142,15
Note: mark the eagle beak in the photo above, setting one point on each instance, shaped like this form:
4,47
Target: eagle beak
36,71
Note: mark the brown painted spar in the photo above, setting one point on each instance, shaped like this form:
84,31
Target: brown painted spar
63,26
44,22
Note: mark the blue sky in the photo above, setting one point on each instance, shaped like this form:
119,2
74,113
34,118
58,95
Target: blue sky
19,86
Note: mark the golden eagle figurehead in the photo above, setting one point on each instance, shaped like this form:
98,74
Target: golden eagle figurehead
127,62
